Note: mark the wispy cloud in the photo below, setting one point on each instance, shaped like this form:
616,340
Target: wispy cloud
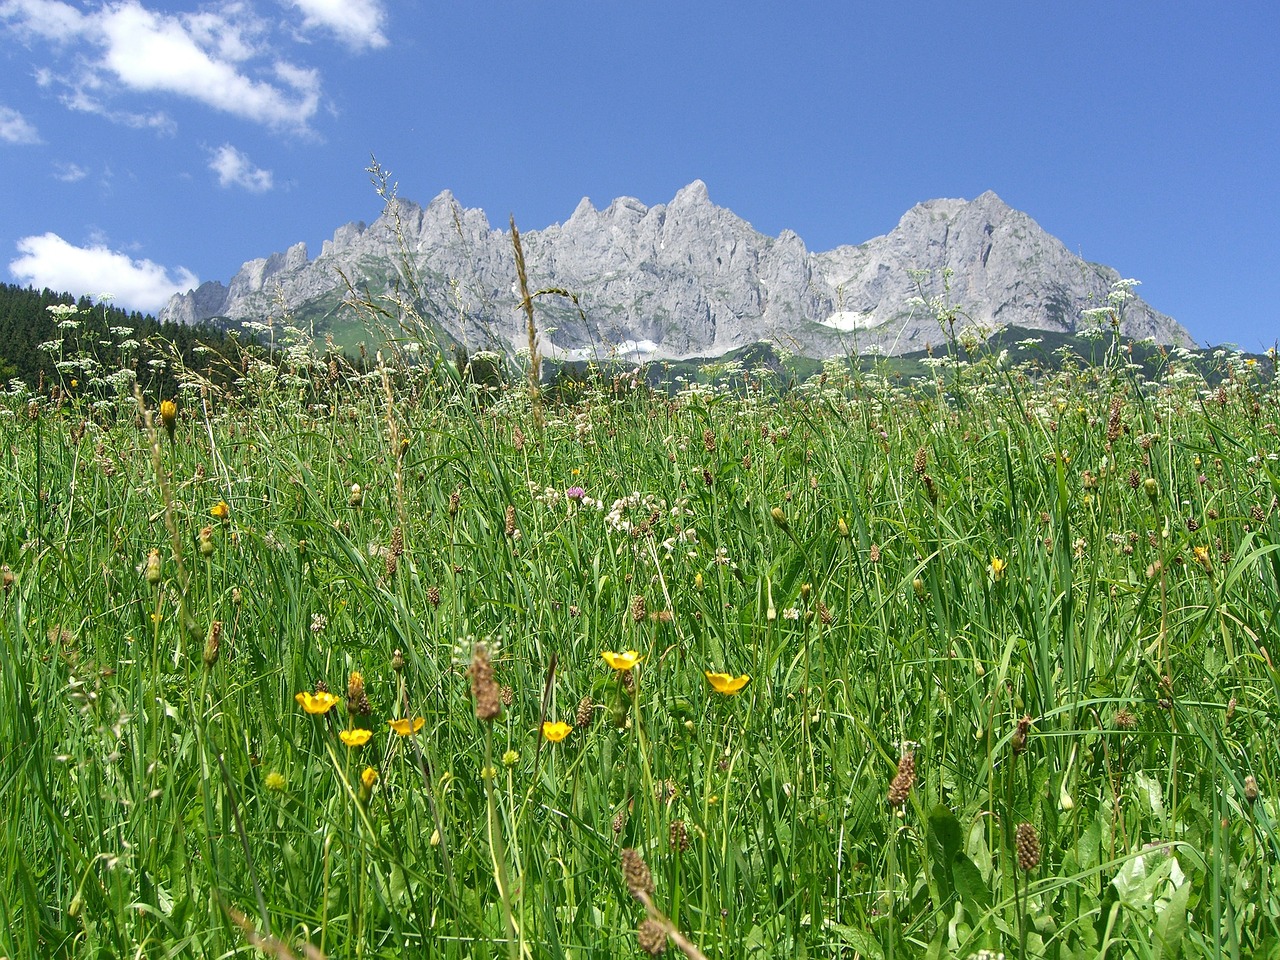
49,261
15,128
234,169
69,172
82,101
357,23
219,57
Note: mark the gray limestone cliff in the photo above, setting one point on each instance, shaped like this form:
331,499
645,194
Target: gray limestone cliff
690,279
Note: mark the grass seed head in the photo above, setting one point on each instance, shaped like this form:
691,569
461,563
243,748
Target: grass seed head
651,936
902,783
635,873
1019,739
1027,843
212,643
483,687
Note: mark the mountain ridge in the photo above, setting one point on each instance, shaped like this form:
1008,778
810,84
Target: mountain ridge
688,278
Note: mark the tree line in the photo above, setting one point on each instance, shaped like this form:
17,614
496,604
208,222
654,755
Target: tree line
53,339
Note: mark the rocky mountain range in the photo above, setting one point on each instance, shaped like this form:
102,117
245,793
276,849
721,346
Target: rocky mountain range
686,279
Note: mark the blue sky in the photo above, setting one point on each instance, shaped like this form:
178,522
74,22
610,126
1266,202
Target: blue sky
146,145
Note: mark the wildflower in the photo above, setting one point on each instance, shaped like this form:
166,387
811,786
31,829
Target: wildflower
621,661
779,517
368,777
555,731
357,495
1202,557
637,608
406,727
583,716
511,758
575,493
842,528
322,701
152,570
220,510
168,416
726,683
997,568
206,541
698,583
275,781
356,737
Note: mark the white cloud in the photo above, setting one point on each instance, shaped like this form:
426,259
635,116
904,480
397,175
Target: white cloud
49,261
47,19
80,99
69,172
234,169
15,128
357,23
155,53
208,57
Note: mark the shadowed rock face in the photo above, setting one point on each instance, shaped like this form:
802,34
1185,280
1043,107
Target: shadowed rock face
688,278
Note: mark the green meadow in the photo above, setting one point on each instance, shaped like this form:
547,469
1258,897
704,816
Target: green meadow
387,663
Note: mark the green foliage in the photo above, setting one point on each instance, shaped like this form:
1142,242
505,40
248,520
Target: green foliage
901,568
51,338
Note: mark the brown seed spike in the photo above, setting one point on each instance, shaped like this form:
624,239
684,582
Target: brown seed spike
483,687
901,786
635,873
1027,843
651,936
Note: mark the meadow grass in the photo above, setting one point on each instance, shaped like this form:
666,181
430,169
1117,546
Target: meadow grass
1007,637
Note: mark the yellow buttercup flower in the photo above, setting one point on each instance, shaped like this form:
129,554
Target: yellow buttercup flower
316,703
621,661
406,726
997,568
220,510
368,778
355,738
726,683
555,731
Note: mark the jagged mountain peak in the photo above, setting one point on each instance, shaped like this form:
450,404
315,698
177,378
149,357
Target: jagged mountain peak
689,278
694,193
